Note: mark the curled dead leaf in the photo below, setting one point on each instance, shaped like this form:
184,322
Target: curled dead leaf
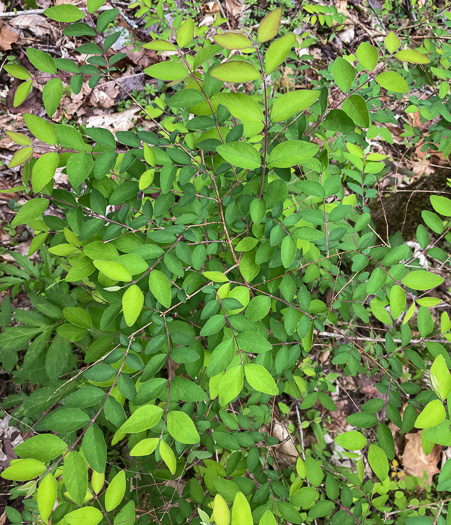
415,461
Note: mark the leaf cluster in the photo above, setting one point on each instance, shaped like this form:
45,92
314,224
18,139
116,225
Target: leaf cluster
184,287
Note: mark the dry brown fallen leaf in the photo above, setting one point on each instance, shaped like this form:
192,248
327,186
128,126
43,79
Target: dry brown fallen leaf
286,451
415,461
36,25
8,35
235,8
123,121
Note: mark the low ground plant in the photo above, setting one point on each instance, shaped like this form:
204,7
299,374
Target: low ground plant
190,272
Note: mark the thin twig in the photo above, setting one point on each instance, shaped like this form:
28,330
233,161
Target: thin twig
377,340
12,14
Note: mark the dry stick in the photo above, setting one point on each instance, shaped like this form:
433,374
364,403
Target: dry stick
438,514
11,14
413,507
376,340
301,433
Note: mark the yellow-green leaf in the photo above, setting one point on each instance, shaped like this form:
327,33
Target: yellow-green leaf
216,277
377,307
391,81
17,72
288,250
233,40
269,26
260,379
93,5
440,377
46,496
241,106
241,511
186,32
44,170
40,128
343,73
41,60
291,152
432,415
278,51
115,491
19,138
160,45
392,42
441,205
84,516
430,302
291,103
24,470
22,92
97,481
367,56
113,270
160,286
37,241
409,313
145,447
221,512
143,418
411,56
52,94
31,210
352,440
182,428
267,519
146,179
240,154
132,303
378,461
167,70
149,155
355,107
422,280
78,167
75,476
168,456
235,71
246,244
231,385
21,156
64,13
397,300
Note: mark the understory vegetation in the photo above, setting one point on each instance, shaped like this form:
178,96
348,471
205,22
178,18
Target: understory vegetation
218,331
